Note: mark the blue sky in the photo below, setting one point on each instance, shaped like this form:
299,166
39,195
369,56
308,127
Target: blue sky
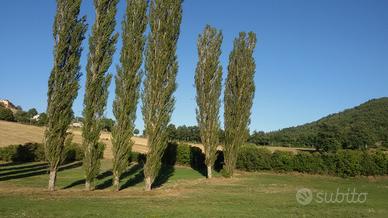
313,57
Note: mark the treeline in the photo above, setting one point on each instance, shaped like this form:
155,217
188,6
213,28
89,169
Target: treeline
362,127
31,116
160,68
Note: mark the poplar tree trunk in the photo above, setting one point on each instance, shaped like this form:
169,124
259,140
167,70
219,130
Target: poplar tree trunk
52,179
88,186
209,172
116,181
148,183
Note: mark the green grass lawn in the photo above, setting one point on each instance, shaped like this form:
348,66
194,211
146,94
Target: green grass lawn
181,192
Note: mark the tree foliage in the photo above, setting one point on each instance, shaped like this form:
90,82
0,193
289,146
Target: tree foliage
127,84
161,67
364,126
68,32
238,97
101,49
208,76
6,114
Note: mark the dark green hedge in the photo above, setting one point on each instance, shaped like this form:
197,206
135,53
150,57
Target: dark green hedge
35,152
342,163
250,158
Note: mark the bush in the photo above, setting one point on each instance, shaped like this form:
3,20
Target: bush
348,163
30,152
373,163
22,153
73,152
183,154
252,158
137,157
7,153
6,114
282,161
306,162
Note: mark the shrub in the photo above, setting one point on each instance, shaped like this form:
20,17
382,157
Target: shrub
373,163
348,163
282,161
35,152
306,162
252,158
73,152
6,114
137,157
330,163
183,154
7,153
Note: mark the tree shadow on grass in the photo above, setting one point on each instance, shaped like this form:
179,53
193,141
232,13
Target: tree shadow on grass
101,176
197,160
29,166
9,164
135,179
38,171
25,170
164,175
109,182
129,173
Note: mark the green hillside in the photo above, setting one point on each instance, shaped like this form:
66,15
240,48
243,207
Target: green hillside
363,126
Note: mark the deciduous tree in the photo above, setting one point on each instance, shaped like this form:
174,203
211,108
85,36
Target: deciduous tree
128,79
238,97
208,76
161,67
101,49
63,84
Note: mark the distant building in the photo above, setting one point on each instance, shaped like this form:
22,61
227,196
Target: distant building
7,104
77,125
36,117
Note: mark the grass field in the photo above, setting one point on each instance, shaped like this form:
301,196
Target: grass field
180,192
16,133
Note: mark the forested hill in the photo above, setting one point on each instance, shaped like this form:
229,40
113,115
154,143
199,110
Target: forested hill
363,126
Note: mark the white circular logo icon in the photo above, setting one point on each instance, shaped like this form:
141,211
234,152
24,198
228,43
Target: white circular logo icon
304,196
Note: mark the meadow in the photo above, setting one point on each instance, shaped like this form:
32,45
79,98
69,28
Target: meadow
181,192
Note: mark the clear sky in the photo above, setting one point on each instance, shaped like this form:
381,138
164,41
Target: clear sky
313,57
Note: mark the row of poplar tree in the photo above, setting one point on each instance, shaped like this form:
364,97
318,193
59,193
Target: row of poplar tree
160,70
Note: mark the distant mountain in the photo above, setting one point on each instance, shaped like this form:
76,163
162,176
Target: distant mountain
364,125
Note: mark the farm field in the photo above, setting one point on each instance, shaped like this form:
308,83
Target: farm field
266,194
16,133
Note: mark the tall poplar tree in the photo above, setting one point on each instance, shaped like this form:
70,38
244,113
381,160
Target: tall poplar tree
101,49
161,67
208,76
127,85
63,84
238,97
